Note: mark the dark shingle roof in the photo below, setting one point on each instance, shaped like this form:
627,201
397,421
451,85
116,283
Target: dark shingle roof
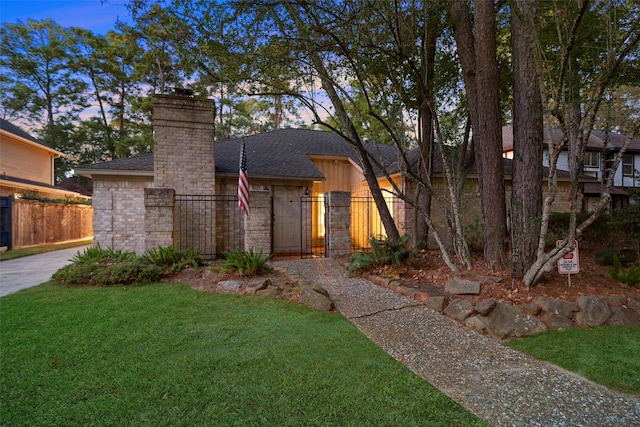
143,162
286,154
11,128
283,153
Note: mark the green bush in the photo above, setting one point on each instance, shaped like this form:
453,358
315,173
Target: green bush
606,256
596,234
173,260
631,276
246,263
106,267
383,252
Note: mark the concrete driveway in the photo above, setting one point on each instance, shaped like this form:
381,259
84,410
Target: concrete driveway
25,272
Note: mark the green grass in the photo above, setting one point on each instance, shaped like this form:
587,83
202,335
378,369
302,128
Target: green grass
164,354
19,253
608,355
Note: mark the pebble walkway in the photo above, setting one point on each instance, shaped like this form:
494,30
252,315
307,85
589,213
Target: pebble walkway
497,383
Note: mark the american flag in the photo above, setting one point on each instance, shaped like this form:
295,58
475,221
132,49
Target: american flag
243,183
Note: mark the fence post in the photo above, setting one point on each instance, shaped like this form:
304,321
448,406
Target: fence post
158,217
338,223
257,227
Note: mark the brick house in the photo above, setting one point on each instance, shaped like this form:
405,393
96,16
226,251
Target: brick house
184,193
308,193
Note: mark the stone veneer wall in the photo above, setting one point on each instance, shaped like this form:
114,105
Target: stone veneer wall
470,208
338,236
119,212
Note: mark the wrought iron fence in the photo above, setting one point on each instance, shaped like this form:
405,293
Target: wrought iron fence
211,223
365,223
312,213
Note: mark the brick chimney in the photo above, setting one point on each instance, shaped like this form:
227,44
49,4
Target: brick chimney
183,130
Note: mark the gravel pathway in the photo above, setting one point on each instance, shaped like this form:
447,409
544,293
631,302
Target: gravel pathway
497,383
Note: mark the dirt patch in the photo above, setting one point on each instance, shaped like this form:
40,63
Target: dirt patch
429,273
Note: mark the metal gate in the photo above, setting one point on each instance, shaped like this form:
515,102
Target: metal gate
5,221
212,224
365,223
312,220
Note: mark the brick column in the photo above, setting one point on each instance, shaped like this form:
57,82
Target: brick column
158,217
257,228
338,223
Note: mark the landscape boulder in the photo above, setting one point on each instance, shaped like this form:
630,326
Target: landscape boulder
485,306
460,286
507,321
315,297
623,316
556,306
459,309
593,311
556,321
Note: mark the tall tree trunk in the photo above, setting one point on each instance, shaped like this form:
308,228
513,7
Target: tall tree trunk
526,192
351,134
480,73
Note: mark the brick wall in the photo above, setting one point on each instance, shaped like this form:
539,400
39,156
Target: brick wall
158,219
183,144
119,212
257,233
184,162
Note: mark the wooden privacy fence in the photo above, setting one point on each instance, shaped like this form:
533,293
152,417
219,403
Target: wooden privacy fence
37,223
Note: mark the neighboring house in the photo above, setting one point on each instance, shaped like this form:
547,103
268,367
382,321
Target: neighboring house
27,172
185,192
601,148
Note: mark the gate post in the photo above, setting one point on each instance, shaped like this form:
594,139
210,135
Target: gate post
338,223
158,217
257,227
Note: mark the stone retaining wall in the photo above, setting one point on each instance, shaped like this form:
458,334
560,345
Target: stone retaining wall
502,320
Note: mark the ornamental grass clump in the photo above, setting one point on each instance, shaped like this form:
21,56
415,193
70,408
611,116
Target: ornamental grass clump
173,260
246,263
383,252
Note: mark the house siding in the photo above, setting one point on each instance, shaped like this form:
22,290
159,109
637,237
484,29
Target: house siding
24,161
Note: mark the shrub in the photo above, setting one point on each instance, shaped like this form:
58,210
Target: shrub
382,252
606,256
171,259
631,276
97,266
246,263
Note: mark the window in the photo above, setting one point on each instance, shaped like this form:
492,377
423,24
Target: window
627,164
591,159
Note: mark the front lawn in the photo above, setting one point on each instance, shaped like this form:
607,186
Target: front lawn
608,355
164,354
